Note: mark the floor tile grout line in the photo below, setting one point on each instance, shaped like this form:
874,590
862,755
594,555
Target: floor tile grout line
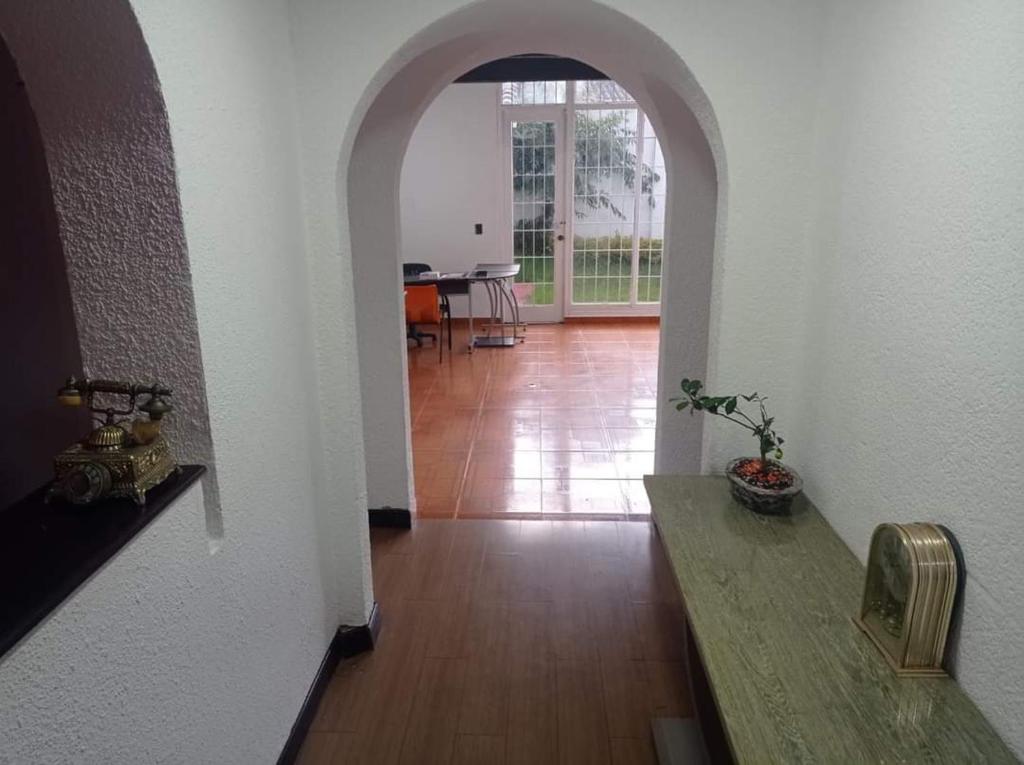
477,423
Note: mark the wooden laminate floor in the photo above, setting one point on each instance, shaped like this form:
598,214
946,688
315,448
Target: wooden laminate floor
561,425
510,641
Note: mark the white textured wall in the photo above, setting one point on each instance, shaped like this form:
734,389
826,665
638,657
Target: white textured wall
167,655
227,77
174,653
451,179
914,354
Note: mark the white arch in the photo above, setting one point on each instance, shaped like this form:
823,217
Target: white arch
375,145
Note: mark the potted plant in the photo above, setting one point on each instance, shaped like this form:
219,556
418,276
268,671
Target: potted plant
763,485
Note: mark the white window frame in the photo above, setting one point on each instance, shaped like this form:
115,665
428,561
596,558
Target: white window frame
565,116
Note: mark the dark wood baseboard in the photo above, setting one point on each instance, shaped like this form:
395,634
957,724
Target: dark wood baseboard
347,641
352,640
390,517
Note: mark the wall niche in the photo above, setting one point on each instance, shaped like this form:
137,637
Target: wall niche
38,336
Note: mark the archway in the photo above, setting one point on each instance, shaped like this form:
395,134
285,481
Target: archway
661,83
107,141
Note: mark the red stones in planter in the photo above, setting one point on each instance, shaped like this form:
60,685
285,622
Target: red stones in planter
770,499
754,472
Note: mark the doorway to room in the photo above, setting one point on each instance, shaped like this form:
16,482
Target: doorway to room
566,179
374,205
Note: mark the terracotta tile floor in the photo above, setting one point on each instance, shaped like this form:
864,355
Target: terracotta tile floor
508,641
561,425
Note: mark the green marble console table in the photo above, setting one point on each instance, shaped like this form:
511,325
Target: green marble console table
786,674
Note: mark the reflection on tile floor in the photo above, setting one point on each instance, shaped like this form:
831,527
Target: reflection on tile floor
560,426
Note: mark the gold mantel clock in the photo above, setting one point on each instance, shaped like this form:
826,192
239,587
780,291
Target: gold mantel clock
913,573
117,459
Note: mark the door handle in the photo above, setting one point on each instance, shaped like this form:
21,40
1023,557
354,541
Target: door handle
560,237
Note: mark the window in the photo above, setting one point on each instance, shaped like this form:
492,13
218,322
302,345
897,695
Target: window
532,93
615,175
601,92
604,205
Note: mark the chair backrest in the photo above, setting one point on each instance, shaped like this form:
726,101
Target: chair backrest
415,269
421,305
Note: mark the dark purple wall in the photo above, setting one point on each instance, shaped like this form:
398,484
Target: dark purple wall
38,339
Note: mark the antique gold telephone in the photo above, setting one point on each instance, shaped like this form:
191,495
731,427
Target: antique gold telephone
114,460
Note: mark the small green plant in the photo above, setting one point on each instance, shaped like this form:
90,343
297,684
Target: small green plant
727,407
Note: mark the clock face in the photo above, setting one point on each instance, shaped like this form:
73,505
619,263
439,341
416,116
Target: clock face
889,584
896,577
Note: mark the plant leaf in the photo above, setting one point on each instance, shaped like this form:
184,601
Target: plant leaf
730,405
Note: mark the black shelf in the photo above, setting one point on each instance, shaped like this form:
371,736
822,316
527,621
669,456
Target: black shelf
48,550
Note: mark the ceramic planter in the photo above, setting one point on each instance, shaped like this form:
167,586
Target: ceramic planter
764,501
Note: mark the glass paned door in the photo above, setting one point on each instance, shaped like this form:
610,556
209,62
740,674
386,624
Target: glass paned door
604,206
618,205
590,141
537,225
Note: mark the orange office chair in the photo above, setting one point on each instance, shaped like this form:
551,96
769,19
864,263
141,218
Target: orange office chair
423,306
415,269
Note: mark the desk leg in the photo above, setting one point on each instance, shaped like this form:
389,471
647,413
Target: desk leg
469,295
506,296
515,309
499,298
494,307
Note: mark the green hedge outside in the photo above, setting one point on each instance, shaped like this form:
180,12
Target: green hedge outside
602,257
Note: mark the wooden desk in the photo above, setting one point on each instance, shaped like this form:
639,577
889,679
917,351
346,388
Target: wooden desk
446,285
769,602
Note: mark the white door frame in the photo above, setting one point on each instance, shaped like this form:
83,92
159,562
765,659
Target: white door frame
557,114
